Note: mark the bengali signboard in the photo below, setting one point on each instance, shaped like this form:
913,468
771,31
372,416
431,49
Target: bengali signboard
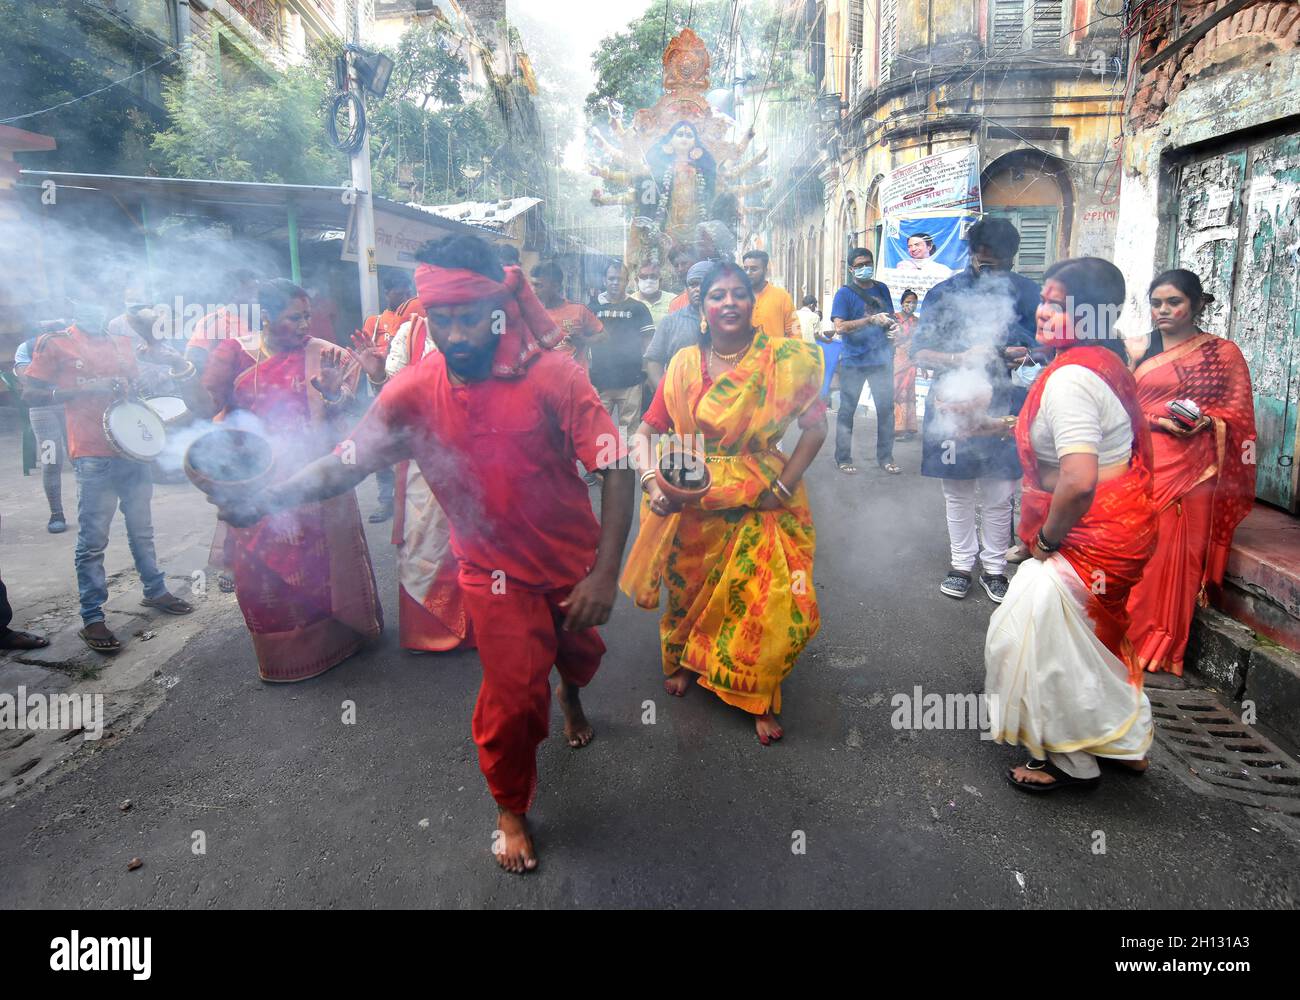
945,180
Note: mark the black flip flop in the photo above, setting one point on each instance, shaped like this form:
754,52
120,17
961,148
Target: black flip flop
1062,780
107,647
1117,765
31,640
179,607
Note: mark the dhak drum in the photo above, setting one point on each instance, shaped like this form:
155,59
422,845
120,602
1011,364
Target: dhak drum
171,409
135,430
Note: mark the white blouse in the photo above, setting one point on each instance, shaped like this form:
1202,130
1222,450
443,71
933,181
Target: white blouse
399,351
1080,414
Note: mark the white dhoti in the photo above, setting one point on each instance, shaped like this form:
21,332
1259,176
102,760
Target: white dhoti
1052,686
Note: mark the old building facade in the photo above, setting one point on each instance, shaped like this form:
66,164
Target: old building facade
1036,85
1211,182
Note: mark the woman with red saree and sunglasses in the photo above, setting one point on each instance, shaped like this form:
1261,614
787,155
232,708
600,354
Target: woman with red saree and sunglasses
1062,680
1204,465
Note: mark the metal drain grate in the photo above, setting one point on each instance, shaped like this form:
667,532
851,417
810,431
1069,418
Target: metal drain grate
1225,756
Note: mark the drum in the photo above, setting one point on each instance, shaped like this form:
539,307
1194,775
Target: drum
135,431
172,409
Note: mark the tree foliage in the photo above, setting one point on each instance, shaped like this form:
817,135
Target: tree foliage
271,126
629,63
59,51
255,131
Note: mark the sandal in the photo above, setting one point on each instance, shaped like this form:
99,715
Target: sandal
16,639
169,603
109,647
848,468
1063,780
1115,764
890,467
225,583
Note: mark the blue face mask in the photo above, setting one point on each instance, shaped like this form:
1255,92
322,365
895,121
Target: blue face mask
864,272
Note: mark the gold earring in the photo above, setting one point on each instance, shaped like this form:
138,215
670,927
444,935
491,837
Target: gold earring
704,326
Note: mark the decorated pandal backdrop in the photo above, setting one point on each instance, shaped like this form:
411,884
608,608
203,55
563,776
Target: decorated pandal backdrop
680,177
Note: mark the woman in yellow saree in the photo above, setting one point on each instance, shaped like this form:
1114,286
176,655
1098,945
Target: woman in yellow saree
737,563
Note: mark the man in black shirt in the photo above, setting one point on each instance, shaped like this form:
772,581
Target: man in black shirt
616,362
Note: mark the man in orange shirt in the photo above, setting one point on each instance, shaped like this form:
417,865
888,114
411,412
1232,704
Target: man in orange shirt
84,367
580,325
399,297
773,307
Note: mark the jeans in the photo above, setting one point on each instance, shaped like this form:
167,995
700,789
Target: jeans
49,426
881,380
101,484
387,480
994,498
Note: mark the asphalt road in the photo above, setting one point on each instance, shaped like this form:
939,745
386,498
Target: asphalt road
297,809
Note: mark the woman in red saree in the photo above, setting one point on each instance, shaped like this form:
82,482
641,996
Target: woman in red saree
1204,473
905,367
1061,677
303,577
737,564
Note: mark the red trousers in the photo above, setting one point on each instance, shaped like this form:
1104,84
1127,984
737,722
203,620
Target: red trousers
520,637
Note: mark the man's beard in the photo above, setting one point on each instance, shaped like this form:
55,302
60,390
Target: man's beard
473,363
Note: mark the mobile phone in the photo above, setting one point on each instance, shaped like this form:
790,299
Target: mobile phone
1185,412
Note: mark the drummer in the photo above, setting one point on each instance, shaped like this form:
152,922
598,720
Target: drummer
85,368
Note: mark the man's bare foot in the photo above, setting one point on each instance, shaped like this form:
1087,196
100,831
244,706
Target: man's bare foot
577,730
769,730
677,683
512,845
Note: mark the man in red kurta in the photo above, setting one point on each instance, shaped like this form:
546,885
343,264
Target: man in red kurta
497,422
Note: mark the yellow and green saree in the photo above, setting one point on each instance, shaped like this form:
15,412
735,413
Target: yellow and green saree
741,602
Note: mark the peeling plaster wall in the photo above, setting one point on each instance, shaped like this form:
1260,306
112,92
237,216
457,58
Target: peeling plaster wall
1211,107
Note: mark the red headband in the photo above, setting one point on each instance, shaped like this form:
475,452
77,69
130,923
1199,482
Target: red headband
529,328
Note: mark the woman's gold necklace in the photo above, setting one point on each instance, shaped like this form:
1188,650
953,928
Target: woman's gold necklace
729,359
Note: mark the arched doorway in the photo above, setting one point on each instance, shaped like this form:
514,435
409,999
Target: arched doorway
1032,190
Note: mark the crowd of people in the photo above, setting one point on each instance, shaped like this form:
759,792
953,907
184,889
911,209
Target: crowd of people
481,400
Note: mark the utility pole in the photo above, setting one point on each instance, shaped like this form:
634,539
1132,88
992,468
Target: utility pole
367,270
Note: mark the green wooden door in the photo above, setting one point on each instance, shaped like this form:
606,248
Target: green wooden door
1038,228
1238,229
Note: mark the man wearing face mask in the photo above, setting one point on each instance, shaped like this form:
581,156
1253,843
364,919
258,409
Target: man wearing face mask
974,328
863,314
86,368
649,291
496,420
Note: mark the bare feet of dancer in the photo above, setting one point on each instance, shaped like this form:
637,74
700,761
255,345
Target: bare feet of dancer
512,845
769,730
676,684
577,730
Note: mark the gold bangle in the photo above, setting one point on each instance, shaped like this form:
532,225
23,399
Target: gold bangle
644,477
